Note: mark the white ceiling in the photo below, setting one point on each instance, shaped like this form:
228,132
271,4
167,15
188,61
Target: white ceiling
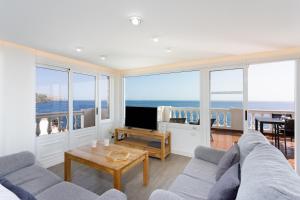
194,29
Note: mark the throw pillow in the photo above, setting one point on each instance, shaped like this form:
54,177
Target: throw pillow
20,192
226,188
231,157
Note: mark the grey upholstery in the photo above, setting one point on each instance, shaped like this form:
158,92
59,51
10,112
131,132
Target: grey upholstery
208,154
265,174
201,169
21,170
33,179
231,157
165,195
190,188
64,191
227,186
14,162
112,194
248,141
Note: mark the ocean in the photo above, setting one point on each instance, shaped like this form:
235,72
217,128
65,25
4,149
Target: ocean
62,106
215,104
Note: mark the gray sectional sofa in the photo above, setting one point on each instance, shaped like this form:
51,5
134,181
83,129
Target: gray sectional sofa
265,173
22,170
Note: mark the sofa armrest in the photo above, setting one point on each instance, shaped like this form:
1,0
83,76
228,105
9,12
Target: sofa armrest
164,195
113,194
14,162
208,154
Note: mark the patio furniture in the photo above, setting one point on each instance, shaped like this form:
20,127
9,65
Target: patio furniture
178,120
273,121
288,131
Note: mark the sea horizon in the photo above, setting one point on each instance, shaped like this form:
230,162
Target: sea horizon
62,106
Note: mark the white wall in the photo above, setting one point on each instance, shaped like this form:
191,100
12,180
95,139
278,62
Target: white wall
18,100
107,127
1,103
297,116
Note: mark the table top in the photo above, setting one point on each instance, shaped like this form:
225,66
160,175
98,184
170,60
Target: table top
98,155
270,120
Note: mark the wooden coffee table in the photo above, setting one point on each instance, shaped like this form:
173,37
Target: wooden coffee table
97,158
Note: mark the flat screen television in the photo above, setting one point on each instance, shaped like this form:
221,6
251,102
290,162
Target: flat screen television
141,117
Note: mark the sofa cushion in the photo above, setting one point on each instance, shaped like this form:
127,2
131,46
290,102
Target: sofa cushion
18,191
190,188
248,141
113,194
66,191
201,169
266,174
227,186
14,162
231,157
33,179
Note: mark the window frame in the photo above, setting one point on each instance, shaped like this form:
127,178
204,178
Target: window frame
111,99
61,69
72,72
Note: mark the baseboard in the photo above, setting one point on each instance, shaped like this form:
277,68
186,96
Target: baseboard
183,153
52,160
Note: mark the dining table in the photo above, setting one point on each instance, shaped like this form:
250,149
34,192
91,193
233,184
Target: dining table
276,122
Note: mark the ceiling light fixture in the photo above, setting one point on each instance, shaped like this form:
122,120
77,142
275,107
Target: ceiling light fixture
135,20
103,58
168,50
79,49
155,39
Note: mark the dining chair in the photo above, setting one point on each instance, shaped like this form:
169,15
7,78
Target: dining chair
288,131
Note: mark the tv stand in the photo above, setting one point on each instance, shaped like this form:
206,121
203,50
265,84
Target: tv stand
158,144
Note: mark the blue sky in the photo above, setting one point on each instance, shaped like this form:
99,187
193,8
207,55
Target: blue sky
173,86
55,84
267,82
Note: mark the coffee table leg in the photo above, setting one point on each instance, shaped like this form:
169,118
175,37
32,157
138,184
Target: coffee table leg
117,179
146,169
67,168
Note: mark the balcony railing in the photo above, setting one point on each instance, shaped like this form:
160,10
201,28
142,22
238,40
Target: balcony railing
226,118
57,122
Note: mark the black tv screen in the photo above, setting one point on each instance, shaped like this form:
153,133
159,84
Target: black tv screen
141,117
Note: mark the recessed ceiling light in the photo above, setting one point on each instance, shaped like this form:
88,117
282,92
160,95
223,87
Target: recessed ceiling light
168,50
155,39
135,20
103,58
79,49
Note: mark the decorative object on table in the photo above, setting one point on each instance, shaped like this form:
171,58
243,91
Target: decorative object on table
117,156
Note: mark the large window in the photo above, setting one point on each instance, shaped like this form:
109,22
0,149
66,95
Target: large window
84,101
226,98
271,86
51,101
178,92
105,96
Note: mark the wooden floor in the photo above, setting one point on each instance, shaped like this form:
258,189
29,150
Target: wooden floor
223,139
162,174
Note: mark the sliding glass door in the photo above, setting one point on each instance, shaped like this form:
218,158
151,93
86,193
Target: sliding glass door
227,106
